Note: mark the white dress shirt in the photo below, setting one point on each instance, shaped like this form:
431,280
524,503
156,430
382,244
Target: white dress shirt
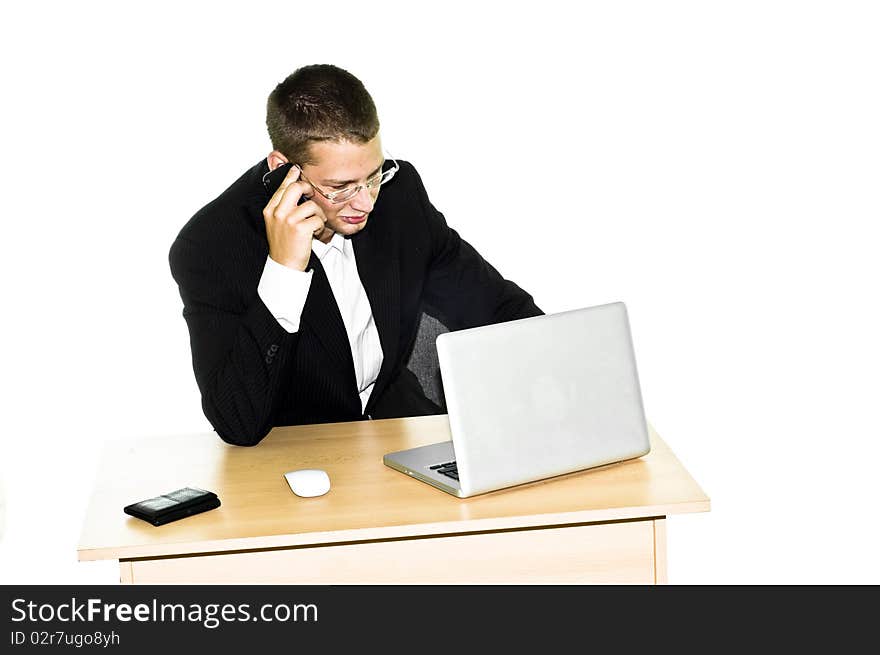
283,290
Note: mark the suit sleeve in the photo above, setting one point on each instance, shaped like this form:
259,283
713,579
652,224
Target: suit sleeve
238,354
464,287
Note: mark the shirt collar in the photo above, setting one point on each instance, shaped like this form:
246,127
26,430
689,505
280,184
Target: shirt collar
321,249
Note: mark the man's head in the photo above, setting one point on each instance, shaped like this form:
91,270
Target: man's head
319,103
322,119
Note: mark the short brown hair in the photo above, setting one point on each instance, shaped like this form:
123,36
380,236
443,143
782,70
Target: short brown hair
320,102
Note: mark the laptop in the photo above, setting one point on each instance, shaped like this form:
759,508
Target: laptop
531,399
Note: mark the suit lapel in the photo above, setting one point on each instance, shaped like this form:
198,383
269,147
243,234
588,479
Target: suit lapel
378,266
322,314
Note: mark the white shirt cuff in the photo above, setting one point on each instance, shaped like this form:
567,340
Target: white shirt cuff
284,290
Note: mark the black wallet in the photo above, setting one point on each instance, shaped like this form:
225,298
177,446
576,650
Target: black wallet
174,505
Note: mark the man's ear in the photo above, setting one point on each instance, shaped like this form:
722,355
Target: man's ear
276,159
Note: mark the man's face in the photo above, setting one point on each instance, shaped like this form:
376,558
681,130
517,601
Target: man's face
338,166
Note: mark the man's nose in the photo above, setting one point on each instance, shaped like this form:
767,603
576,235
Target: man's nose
363,201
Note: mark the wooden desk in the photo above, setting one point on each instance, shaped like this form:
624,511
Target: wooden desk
377,525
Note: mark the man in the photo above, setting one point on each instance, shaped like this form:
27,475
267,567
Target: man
303,286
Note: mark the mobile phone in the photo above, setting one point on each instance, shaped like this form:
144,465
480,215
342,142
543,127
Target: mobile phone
173,506
273,180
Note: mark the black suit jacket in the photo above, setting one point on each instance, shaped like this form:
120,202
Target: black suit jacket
254,375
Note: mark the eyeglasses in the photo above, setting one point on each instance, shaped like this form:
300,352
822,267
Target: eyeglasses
346,194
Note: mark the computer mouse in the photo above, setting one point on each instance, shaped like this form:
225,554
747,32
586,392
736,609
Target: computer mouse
308,483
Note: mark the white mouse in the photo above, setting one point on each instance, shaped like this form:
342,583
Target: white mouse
308,482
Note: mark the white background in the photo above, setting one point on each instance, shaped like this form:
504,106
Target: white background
714,165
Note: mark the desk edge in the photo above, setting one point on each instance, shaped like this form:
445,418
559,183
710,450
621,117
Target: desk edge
362,535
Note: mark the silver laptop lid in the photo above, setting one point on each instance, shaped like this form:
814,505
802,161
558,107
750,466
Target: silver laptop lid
543,396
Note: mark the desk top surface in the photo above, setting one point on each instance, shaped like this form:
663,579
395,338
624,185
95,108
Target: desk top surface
367,500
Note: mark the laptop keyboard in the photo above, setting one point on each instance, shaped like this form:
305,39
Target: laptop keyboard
449,469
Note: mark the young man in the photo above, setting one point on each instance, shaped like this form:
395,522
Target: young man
303,286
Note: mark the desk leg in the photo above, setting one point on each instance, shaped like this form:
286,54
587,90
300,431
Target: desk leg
660,551
126,574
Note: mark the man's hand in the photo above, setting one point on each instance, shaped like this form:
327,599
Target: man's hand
290,227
